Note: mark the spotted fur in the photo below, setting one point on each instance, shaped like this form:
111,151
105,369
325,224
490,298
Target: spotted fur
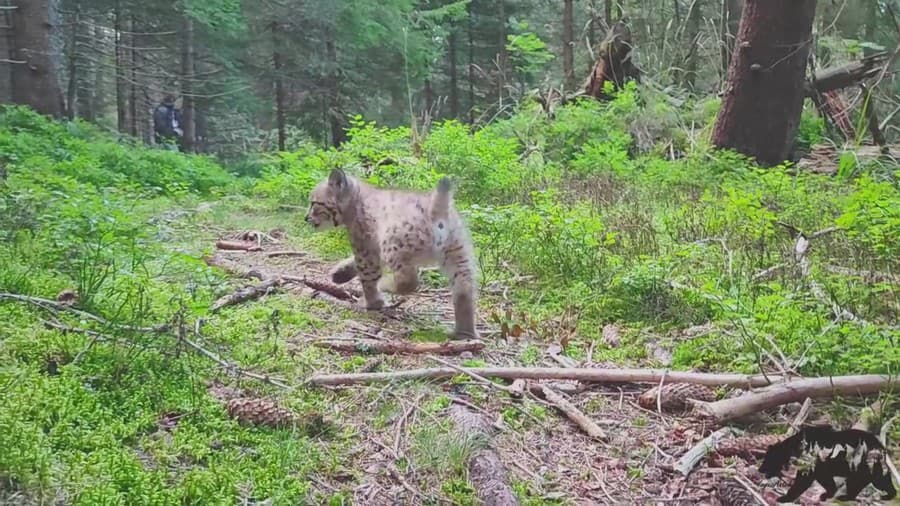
399,231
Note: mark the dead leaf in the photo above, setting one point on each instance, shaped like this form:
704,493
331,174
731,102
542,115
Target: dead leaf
516,330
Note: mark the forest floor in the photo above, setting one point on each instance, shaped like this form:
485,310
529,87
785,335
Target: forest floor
401,451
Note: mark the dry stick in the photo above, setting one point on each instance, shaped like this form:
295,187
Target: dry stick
53,306
794,391
689,460
470,372
363,345
272,254
574,414
247,293
232,367
591,375
885,428
868,276
801,417
749,487
237,246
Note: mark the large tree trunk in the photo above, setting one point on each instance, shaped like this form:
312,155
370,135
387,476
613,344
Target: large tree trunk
502,56
471,66
72,52
34,83
133,119
6,54
693,36
568,45
187,82
121,83
453,97
764,96
335,116
277,64
613,63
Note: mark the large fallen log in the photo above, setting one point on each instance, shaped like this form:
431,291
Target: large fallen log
591,375
362,345
486,471
794,391
835,78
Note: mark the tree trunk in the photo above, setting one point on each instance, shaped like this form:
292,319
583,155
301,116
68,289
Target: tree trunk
693,35
6,53
428,96
607,12
132,78
453,97
613,62
121,84
761,108
72,51
277,64
338,136
34,83
93,81
471,67
568,45
187,88
502,55
728,26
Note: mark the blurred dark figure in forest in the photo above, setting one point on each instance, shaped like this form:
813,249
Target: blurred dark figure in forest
167,123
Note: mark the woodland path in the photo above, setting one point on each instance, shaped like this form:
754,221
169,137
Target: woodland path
538,446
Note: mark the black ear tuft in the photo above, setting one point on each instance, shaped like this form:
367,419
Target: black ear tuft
337,179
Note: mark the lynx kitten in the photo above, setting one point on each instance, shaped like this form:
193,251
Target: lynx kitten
401,231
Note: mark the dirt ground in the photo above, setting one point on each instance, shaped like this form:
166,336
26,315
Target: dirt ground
559,462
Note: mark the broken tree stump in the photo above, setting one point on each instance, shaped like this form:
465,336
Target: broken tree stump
613,64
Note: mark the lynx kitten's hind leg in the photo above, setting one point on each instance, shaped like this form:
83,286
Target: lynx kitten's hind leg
344,271
402,281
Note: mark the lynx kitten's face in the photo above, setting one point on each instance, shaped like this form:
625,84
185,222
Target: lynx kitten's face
323,211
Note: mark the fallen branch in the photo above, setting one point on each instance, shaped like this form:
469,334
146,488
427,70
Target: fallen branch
689,460
236,268
228,366
363,345
238,246
573,413
56,307
336,291
867,276
591,375
486,471
794,391
247,293
286,253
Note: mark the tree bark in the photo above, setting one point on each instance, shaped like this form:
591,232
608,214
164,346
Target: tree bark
335,116
613,63
428,96
453,95
133,118
693,34
6,53
121,84
764,97
568,44
502,56
488,475
471,66
34,83
187,88
278,65
607,12
72,51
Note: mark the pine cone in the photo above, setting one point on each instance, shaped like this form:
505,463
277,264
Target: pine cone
747,447
732,493
674,396
256,411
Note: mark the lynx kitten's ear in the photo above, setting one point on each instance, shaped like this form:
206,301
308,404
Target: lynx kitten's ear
337,179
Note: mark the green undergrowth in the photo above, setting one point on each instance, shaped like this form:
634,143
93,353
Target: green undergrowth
580,220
